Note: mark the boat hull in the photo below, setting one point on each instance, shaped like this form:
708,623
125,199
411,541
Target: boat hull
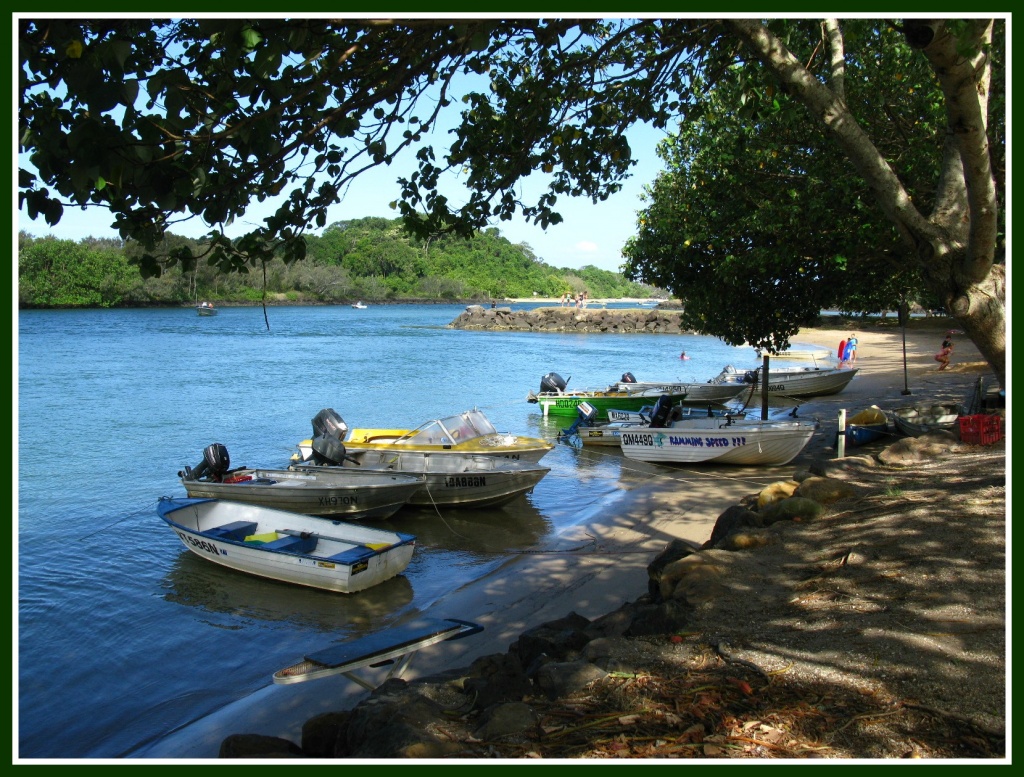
384,441
867,426
568,404
332,556
351,494
692,393
798,353
465,481
801,382
864,435
915,420
719,441
607,435
604,436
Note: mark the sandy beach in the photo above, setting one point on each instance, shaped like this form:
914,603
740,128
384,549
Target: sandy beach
600,564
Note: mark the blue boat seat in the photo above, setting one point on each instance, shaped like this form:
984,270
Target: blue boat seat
237,530
352,555
291,544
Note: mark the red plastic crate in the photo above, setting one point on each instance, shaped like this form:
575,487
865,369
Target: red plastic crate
981,429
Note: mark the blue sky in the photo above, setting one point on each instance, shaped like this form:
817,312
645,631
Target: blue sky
590,234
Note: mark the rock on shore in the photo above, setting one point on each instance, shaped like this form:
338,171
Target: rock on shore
557,319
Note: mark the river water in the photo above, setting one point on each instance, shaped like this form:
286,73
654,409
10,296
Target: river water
122,634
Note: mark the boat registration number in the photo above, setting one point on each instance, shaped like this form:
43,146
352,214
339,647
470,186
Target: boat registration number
659,440
337,500
471,481
199,544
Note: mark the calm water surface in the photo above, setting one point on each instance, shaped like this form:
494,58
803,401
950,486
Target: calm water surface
123,635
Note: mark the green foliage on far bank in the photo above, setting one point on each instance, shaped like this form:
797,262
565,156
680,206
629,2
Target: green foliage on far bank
369,258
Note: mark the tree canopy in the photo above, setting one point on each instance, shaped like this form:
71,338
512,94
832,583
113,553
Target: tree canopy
369,258
756,203
161,120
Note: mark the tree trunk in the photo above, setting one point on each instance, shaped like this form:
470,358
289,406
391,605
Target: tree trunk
955,244
980,310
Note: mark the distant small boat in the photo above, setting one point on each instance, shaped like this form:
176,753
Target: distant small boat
285,546
206,309
915,420
359,306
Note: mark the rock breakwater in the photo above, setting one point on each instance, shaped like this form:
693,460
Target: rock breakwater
556,319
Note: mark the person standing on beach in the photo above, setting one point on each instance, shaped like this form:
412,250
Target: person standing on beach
944,354
851,349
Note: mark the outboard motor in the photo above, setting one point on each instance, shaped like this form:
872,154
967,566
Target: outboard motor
327,423
214,464
627,377
587,413
328,450
662,412
552,383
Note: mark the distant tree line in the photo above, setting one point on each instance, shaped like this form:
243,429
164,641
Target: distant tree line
369,258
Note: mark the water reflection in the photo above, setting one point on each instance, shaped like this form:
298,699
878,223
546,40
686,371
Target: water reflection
518,524
194,582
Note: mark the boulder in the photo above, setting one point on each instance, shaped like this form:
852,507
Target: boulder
661,618
735,518
397,722
849,466
321,733
506,720
914,450
825,491
692,579
495,679
775,492
748,540
674,551
559,679
560,639
795,508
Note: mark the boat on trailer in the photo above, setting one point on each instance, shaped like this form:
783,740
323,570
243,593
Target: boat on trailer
285,546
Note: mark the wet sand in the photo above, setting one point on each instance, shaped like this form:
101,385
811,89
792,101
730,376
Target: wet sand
598,565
